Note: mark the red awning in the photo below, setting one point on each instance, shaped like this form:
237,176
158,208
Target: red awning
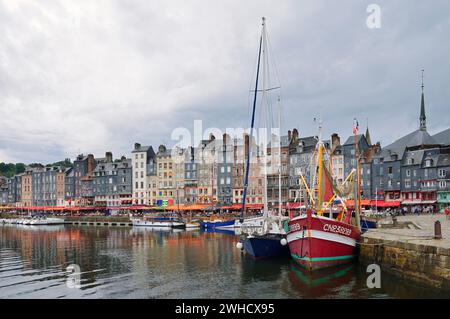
382,203
295,205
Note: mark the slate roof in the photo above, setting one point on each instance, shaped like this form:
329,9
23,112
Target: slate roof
141,149
443,160
416,138
351,139
109,166
284,141
416,155
443,137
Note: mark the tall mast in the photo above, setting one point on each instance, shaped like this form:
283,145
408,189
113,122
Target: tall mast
264,102
253,122
358,177
279,153
319,202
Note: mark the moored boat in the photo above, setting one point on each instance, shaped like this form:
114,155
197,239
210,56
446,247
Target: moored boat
368,223
158,222
318,241
218,223
263,237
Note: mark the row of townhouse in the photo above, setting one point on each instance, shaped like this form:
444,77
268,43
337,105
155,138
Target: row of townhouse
213,172
413,170
91,181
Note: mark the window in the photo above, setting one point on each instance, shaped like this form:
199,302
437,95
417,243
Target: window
442,184
408,173
390,170
407,184
442,173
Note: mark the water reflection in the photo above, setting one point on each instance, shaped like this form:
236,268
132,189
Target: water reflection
322,282
125,262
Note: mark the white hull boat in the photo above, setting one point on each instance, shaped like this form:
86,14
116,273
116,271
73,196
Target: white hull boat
158,222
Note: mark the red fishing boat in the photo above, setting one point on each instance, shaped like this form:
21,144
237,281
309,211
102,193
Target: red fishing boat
319,241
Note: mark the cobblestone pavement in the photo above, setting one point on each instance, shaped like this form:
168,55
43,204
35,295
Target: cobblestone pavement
424,235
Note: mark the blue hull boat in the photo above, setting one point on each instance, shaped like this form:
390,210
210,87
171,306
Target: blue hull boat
266,246
367,224
215,224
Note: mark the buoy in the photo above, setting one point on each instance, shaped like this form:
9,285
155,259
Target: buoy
239,245
283,241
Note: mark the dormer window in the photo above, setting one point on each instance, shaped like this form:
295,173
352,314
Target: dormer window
410,161
428,162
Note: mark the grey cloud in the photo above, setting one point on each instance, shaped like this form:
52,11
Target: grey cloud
99,75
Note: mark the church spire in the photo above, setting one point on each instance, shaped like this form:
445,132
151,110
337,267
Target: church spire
423,118
369,141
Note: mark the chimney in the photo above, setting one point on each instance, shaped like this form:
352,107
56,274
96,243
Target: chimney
294,133
108,156
335,141
123,158
90,164
246,144
137,146
289,135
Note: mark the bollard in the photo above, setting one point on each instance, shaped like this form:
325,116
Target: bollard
394,221
437,230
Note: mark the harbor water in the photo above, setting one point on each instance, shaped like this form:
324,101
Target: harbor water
124,262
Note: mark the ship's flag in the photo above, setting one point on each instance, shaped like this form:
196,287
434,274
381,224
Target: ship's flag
355,126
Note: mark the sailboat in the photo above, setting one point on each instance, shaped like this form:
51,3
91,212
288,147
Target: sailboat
318,241
268,240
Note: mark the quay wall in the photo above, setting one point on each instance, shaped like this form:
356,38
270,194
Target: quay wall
422,262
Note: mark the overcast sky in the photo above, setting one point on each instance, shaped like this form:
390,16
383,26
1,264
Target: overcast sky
94,76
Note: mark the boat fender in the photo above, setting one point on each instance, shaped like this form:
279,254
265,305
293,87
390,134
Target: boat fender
266,227
239,245
283,241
